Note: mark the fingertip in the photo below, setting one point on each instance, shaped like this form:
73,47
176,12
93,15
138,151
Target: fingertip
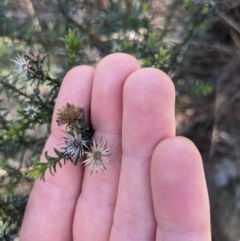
174,146
79,69
179,186
76,85
71,81
73,76
175,160
148,110
151,78
118,61
109,77
151,89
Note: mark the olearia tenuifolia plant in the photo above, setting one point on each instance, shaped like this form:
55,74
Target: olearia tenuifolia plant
161,35
78,145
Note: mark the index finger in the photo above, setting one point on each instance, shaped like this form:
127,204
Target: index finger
58,195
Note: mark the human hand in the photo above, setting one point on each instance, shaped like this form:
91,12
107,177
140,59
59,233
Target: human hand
153,189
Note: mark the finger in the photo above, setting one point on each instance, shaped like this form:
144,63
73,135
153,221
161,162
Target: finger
94,212
148,117
179,192
51,205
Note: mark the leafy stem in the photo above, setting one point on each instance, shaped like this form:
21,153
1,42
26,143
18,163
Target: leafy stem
39,168
16,90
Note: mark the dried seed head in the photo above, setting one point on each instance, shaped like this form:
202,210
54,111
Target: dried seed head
33,55
23,65
74,147
70,115
97,157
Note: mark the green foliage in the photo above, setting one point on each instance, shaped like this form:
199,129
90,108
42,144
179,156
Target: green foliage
12,205
72,43
39,168
162,57
12,176
202,89
11,213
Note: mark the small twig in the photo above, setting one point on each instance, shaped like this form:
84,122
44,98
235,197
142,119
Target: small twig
229,21
11,87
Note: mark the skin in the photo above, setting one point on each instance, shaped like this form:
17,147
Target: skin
153,189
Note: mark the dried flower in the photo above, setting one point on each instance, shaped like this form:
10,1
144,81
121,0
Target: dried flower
31,111
74,147
97,157
23,65
33,55
30,64
70,115
36,60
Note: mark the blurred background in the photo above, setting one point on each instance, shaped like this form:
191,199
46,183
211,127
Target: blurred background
196,42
